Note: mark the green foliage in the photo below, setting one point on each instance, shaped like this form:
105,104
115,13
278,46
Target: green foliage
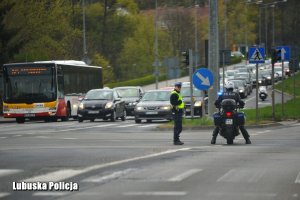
108,74
289,85
41,30
137,82
235,60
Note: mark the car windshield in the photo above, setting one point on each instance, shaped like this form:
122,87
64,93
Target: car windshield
29,84
128,92
237,83
241,76
230,73
186,92
99,95
157,96
277,69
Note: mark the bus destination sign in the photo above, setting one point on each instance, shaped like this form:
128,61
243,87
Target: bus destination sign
28,70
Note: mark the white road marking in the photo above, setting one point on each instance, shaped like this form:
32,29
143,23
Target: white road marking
250,99
184,175
114,175
69,138
295,195
231,194
155,193
242,175
3,137
129,125
4,194
296,124
6,172
17,135
146,126
63,174
55,176
254,134
298,178
42,137
81,128
54,193
266,131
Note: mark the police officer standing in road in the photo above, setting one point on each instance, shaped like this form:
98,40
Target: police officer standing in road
177,110
230,94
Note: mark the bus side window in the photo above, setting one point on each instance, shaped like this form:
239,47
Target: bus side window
60,92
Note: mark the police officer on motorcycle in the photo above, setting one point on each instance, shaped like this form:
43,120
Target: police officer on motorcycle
177,110
230,94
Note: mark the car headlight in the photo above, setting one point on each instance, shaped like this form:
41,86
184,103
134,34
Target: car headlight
198,104
165,108
259,81
269,78
81,106
241,90
109,105
139,108
132,104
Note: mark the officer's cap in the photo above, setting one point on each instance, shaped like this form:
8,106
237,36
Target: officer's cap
178,84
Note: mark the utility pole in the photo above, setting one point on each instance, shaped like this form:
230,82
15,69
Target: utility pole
156,62
213,49
85,58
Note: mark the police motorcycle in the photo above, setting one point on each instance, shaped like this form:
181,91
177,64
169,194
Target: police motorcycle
262,92
228,119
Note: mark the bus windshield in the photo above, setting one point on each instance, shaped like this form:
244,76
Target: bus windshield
29,83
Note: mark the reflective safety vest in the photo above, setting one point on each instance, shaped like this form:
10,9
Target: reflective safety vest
180,106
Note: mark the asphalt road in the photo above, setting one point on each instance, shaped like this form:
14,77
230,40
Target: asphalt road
124,160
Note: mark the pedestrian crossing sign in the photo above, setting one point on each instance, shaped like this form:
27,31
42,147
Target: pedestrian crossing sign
256,55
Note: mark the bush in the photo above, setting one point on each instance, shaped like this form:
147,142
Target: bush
235,60
137,82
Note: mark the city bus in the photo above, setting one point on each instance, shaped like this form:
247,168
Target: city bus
1,92
47,90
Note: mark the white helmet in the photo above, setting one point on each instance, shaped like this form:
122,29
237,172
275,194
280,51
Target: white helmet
229,85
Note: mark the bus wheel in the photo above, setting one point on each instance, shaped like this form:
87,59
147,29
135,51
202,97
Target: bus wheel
20,120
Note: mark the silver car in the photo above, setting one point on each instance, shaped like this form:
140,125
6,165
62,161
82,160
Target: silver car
154,105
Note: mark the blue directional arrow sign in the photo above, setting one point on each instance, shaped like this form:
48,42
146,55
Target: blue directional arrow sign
203,79
256,55
283,53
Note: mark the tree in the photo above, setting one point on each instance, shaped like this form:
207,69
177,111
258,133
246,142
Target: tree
42,30
108,74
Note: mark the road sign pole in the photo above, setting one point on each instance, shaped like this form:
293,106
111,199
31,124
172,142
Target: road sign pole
273,94
223,71
191,81
256,93
282,95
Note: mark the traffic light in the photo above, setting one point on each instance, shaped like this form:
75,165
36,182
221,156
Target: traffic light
186,58
276,55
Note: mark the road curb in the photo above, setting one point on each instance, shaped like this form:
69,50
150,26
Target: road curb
276,124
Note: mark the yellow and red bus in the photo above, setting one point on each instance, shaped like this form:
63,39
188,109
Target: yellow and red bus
48,90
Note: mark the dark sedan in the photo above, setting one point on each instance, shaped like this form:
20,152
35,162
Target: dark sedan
197,98
131,95
101,103
154,105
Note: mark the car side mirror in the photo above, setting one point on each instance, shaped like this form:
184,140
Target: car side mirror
117,99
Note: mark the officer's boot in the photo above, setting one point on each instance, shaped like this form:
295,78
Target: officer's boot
245,135
215,134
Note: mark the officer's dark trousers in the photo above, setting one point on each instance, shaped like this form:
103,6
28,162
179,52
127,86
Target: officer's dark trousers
242,128
177,116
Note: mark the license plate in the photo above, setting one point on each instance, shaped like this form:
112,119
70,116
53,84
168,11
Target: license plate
229,122
93,112
151,113
187,110
29,115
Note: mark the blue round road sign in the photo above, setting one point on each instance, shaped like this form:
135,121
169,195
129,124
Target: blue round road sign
203,79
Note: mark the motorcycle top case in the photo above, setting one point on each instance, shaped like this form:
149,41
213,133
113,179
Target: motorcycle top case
240,117
217,119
